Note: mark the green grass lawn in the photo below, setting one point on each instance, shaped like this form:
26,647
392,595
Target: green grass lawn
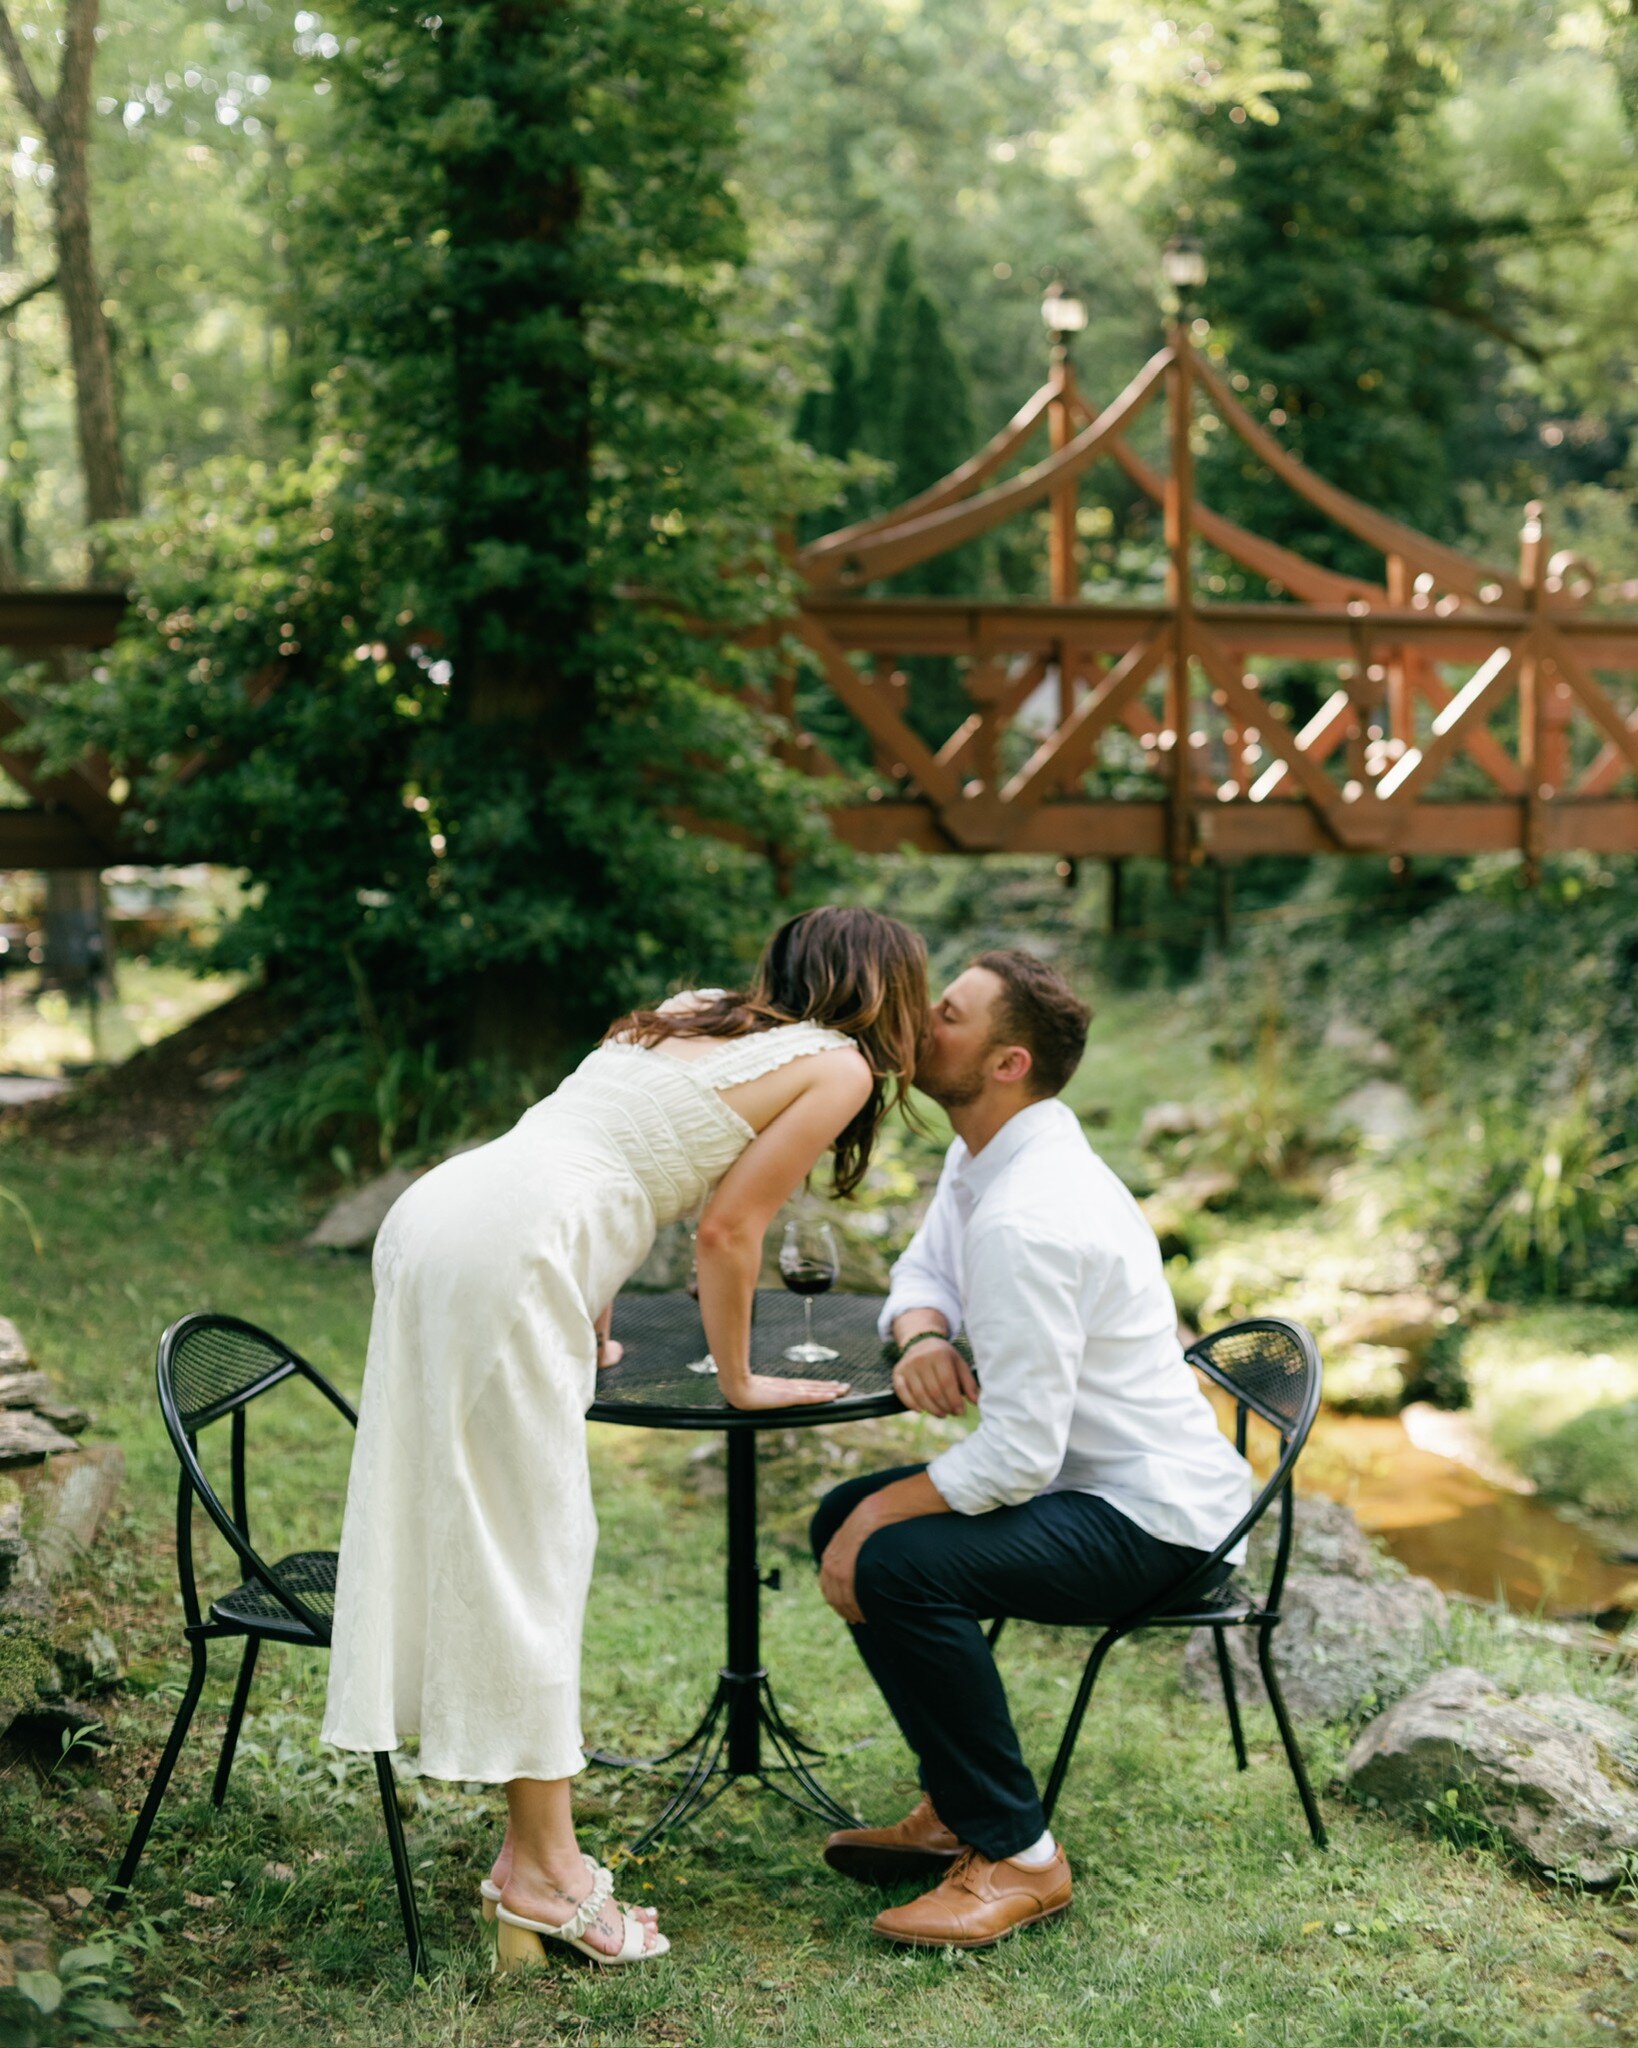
1202,1914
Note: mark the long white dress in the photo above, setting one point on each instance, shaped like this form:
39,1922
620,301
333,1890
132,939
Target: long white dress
467,1545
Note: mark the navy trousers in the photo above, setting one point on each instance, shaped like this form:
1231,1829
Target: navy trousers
925,1588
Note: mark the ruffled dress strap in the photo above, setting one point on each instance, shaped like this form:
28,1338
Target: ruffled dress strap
737,1060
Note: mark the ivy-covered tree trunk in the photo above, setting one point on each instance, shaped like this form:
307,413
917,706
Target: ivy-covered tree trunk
524,677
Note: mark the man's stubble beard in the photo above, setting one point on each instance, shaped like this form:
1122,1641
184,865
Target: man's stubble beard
957,1091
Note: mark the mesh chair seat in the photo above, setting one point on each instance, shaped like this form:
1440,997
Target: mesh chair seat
1208,1614
310,1575
1230,1604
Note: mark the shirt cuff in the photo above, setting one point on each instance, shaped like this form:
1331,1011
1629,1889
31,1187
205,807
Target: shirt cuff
951,1473
919,1294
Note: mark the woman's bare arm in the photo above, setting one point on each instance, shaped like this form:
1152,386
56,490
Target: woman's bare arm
747,1198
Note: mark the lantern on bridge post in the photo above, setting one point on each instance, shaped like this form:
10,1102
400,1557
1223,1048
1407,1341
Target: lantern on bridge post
1064,313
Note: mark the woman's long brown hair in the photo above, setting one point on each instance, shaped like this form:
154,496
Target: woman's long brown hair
854,971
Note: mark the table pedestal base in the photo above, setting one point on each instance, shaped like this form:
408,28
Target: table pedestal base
727,1744
725,1749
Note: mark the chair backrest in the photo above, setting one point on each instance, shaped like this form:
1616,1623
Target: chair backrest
1271,1366
210,1367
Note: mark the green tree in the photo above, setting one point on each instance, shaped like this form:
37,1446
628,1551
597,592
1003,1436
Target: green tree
443,672
931,432
884,360
1348,284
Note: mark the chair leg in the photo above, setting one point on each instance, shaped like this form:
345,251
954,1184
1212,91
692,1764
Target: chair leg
400,1859
1293,1755
236,1715
162,1776
1231,1699
996,1627
1072,1729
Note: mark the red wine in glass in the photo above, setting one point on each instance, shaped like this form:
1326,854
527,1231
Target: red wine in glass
809,1264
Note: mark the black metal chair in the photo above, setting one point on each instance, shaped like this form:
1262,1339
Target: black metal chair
1272,1368
211,1367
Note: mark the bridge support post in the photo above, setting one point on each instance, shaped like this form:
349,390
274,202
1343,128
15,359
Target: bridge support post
1179,595
1536,678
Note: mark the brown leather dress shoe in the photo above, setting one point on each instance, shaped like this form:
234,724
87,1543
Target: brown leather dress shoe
979,1903
920,1845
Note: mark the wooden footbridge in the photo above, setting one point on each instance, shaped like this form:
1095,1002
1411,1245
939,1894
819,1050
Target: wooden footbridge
1469,708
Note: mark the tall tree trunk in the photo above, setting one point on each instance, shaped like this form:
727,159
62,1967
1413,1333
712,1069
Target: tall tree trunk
77,940
65,121
522,392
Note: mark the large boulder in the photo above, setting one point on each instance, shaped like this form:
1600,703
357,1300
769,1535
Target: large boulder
28,1439
350,1224
1346,1035
1555,1776
1341,1643
1381,1114
1406,1321
1369,1379
1326,1538
1166,1120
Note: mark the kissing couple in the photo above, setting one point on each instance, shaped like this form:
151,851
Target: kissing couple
1096,1473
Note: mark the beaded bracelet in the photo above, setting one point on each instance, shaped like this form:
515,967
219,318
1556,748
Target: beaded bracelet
940,1336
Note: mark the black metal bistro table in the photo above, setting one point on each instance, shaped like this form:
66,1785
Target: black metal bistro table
652,1388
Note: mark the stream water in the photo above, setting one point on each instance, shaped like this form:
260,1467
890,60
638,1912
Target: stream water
1443,1520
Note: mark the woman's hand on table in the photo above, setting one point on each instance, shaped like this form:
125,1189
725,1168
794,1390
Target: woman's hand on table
761,1390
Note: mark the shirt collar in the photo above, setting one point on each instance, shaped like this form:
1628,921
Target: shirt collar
974,1177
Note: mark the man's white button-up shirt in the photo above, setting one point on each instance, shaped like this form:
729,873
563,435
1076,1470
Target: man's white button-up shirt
1040,1253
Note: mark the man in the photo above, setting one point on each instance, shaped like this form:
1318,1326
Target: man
1096,1477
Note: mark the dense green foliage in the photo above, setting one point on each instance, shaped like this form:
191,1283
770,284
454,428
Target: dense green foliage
440,732
1348,284
440,341
1515,1015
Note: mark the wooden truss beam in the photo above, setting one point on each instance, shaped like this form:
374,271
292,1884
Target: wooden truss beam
890,550
46,840
1449,567
1085,829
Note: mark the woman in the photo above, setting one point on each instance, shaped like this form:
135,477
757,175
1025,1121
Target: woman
467,1547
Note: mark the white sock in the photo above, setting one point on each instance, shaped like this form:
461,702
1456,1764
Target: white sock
1038,1855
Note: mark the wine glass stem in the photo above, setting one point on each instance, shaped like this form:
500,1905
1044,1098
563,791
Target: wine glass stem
807,1320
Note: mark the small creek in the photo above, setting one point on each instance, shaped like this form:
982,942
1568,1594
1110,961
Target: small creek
1443,1520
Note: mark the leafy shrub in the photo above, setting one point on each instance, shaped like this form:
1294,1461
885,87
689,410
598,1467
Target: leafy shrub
1592,1459
1546,1206
362,1102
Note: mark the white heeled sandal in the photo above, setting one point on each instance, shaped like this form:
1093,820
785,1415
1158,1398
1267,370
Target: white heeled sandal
489,1892
520,1944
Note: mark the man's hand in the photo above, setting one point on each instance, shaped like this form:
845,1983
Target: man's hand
934,1379
837,1566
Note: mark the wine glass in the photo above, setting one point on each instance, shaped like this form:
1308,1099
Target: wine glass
808,1265
705,1363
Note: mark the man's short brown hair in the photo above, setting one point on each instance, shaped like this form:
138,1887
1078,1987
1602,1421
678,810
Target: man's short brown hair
1038,1010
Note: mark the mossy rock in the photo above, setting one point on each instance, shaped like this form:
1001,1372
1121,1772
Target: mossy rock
26,1665
1592,1459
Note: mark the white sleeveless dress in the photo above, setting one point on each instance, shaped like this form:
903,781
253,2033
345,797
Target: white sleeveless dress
466,1549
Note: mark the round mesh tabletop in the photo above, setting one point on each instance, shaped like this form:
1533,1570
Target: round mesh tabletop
652,1385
